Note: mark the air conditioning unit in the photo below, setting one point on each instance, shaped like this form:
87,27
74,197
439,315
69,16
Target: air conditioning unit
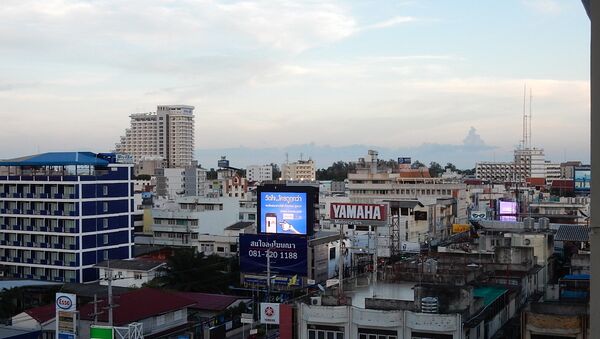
315,301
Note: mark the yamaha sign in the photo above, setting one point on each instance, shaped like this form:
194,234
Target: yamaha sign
358,214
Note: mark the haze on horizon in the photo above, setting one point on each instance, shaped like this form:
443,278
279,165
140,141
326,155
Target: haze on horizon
400,75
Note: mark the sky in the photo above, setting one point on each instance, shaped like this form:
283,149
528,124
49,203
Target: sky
431,79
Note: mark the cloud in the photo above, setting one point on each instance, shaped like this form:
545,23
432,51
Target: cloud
392,22
473,139
544,6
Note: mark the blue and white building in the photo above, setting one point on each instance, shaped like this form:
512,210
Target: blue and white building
61,213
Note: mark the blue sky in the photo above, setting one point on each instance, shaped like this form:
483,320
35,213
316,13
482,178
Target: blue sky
407,75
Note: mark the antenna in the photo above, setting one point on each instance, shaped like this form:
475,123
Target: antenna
524,141
530,99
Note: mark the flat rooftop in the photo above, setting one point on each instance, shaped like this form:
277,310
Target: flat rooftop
391,291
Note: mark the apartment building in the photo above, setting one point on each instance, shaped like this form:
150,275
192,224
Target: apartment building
61,213
527,163
167,133
259,173
302,170
372,183
178,182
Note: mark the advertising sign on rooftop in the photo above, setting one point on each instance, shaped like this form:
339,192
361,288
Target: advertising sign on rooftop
283,212
367,214
287,253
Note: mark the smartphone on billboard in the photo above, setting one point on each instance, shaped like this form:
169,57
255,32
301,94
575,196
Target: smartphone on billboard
271,223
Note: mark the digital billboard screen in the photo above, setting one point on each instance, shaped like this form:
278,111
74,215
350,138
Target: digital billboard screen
288,253
283,213
583,179
507,207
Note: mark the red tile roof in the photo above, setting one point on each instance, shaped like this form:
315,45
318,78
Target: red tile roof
211,302
536,181
42,313
137,305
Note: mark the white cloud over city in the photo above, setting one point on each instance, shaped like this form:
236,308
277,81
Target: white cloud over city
264,73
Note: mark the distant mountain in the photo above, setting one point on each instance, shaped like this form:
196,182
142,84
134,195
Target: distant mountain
463,155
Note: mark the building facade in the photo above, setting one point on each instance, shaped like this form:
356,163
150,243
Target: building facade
256,173
167,133
302,170
61,213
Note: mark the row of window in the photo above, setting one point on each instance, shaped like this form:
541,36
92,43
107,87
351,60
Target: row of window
412,191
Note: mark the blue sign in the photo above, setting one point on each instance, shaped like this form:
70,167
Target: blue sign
283,212
287,253
404,161
583,179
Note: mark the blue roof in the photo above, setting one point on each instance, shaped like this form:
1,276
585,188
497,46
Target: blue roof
56,159
577,277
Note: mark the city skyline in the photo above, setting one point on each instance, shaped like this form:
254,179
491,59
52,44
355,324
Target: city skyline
397,75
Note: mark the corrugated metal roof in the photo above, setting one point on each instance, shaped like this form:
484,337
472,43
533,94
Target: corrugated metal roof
572,233
56,159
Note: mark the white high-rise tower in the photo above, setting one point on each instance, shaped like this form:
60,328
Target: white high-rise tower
167,133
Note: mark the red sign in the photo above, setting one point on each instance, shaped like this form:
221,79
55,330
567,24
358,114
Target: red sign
374,213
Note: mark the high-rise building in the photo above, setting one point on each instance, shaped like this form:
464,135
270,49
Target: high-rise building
168,133
302,170
62,213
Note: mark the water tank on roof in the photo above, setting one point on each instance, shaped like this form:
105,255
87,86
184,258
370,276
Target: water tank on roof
430,266
544,223
529,223
429,305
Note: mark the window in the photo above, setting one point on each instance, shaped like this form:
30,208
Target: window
105,190
137,276
332,253
105,239
220,249
105,207
105,223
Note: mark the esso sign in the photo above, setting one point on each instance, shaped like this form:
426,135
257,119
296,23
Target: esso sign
65,302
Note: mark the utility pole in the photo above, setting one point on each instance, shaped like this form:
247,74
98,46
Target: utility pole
341,264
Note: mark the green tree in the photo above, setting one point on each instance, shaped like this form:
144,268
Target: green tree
211,174
276,171
435,169
417,164
338,171
451,167
189,270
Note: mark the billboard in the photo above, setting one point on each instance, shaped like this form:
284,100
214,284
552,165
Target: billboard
66,319
410,247
582,179
507,207
358,214
478,215
288,253
283,212
404,161
269,313
459,228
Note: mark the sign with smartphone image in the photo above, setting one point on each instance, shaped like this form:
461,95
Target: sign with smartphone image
283,213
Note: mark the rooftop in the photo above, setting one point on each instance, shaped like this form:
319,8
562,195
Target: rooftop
240,225
488,293
210,302
138,305
131,265
57,159
572,233
42,313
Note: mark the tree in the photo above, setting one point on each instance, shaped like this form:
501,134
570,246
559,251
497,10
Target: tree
211,174
435,169
276,171
189,270
417,164
451,167
338,171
